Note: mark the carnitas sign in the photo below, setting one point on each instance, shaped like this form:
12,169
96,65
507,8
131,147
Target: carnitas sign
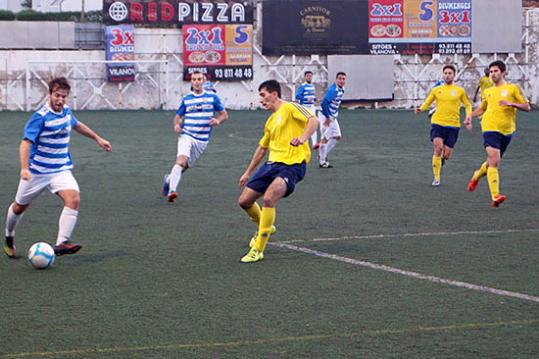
177,12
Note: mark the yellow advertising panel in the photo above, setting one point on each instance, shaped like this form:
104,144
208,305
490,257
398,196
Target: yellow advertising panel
239,44
420,19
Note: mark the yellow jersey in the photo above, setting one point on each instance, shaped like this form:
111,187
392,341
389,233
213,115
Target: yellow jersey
501,118
289,121
448,101
485,83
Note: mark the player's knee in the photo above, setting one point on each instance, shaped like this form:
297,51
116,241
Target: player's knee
494,162
182,162
73,202
270,201
18,208
244,203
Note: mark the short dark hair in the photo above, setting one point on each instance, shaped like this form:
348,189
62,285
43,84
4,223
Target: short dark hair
340,73
307,72
197,73
487,71
271,86
449,66
59,83
499,64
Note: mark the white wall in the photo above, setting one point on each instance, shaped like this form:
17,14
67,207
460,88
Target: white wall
66,5
11,5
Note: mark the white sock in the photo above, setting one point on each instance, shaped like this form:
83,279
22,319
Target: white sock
68,220
12,220
322,152
314,138
331,143
174,177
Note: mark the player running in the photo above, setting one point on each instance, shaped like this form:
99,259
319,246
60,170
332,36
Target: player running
193,122
499,107
445,123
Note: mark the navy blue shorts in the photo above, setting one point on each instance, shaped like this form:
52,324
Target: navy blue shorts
449,135
496,140
265,175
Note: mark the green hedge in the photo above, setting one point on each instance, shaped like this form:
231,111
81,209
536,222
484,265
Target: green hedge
6,15
32,15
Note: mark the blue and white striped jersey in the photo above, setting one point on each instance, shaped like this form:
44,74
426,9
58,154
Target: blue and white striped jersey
50,133
439,83
332,100
306,94
209,86
197,111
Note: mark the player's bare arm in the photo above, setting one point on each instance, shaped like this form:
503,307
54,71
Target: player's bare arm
177,124
24,155
476,93
222,117
521,106
258,156
312,125
88,132
477,112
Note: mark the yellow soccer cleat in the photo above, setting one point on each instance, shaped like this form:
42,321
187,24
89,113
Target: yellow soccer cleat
254,255
253,238
9,248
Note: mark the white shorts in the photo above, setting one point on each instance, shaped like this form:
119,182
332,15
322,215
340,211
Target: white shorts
333,130
190,148
54,182
311,108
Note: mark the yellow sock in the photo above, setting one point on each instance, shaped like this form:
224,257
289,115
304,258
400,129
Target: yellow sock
493,182
254,213
482,171
436,166
267,219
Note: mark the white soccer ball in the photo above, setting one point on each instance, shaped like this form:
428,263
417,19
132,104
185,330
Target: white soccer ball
41,255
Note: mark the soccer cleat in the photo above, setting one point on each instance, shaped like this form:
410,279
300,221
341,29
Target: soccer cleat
171,197
254,255
435,183
498,200
316,146
325,165
166,187
472,184
9,247
66,248
253,239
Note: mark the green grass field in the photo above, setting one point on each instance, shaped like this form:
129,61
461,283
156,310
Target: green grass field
155,280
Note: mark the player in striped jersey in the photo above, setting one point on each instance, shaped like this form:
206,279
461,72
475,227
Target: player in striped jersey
329,126
285,135
46,164
193,122
306,96
208,86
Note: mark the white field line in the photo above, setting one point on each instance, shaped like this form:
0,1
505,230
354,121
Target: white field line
430,278
404,235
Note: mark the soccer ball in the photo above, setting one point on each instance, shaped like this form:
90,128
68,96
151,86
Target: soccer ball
41,255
